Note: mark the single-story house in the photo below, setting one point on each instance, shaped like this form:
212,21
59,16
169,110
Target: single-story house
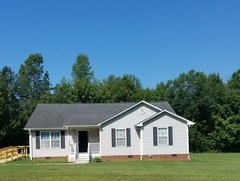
114,131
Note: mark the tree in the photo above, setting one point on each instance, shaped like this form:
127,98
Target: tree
201,99
63,92
233,98
81,69
121,89
33,81
83,77
33,88
9,107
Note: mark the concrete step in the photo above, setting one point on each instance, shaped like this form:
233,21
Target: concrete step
82,158
79,161
2,161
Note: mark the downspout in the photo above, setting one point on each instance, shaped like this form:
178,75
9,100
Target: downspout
100,141
30,145
141,142
68,144
188,142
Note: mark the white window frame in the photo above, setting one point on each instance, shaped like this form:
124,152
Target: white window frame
159,136
41,140
125,137
50,140
55,139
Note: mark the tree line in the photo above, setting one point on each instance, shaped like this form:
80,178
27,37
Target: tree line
213,104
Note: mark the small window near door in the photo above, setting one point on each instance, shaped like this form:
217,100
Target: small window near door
121,137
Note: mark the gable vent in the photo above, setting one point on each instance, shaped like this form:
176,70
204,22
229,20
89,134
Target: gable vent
142,110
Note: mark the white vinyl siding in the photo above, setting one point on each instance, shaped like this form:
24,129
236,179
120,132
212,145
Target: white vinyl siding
121,137
127,120
50,139
162,136
179,136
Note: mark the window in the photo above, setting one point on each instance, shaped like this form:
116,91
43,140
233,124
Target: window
45,143
55,139
121,137
50,139
163,136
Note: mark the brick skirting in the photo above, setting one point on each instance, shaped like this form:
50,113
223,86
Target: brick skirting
51,158
121,157
147,157
166,157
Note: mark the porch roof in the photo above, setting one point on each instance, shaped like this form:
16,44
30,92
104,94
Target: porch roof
60,115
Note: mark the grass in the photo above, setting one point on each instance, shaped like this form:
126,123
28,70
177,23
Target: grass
206,166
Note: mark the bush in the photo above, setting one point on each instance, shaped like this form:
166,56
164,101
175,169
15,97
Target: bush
97,159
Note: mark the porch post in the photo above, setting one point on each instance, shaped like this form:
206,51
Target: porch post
141,142
30,145
100,141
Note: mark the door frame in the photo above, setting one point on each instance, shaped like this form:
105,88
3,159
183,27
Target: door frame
87,133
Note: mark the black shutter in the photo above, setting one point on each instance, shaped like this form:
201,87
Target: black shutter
63,139
37,139
128,137
113,137
155,139
170,136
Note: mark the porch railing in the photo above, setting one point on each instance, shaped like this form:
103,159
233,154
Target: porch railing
93,149
13,152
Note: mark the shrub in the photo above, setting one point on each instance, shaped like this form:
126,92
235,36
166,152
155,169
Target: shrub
97,159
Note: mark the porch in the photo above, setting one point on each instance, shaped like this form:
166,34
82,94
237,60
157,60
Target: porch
84,144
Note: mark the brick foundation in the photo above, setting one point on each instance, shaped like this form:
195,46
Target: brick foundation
147,157
166,157
122,157
50,158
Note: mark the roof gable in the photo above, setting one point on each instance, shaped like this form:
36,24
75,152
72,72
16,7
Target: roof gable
130,108
188,122
63,115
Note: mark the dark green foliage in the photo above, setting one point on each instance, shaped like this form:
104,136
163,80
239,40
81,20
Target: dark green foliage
33,88
97,160
205,99
9,107
63,92
81,69
127,88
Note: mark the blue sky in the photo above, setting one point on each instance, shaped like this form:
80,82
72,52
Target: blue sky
154,40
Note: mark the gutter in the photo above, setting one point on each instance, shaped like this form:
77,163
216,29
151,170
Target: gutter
36,129
81,126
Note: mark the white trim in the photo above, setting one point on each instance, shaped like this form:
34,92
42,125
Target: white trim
30,145
188,142
81,126
189,123
88,136
144,102
45,129
100,142
141,142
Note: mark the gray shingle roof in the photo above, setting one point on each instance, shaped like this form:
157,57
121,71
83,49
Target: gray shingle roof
58,115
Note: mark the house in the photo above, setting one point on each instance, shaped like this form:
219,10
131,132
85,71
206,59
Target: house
116,131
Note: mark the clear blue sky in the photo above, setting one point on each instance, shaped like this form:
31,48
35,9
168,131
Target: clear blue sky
154,40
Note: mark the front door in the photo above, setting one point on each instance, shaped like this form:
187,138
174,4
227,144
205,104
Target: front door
83,141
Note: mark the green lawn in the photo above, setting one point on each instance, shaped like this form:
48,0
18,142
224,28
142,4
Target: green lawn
207,166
